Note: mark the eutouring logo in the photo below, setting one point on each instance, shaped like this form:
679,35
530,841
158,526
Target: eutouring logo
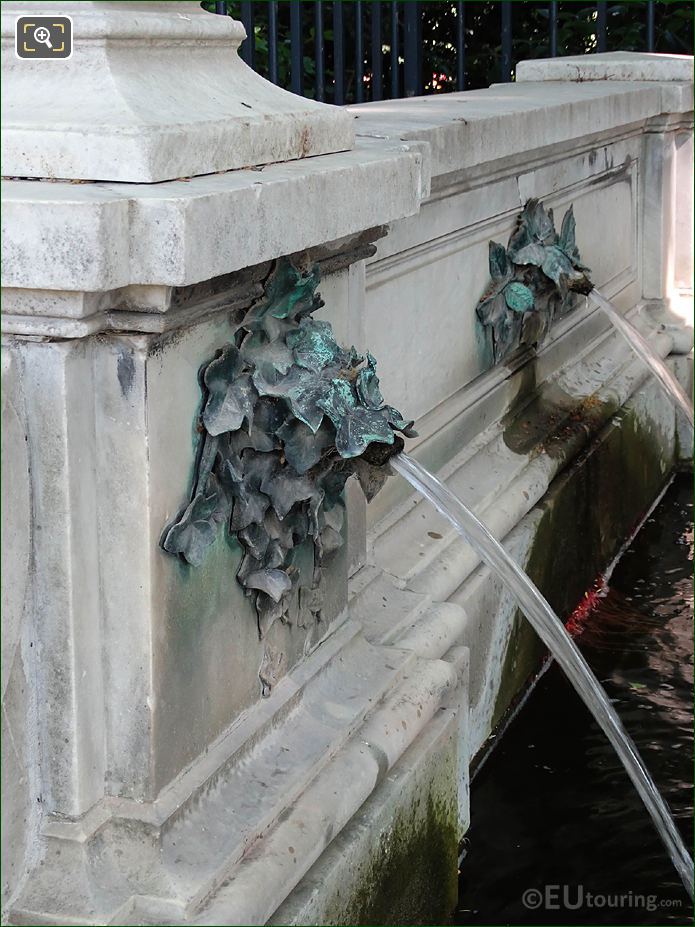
576,897
43,37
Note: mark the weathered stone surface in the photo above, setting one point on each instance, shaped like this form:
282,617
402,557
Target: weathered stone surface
506,474
620,65
408,825
267,799
98,237
153,91
475,128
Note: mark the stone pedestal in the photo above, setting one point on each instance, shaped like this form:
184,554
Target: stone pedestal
153,91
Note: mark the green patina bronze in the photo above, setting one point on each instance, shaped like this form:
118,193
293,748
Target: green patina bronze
532,281
287,416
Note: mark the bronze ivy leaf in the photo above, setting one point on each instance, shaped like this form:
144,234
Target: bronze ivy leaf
232,394
367,386
567,240
302,447
284,487
250,506
195,530
268,416
274,583
270,358
556,264
518,297
289,294
255,540
492,309
539,222
500,267
314,346
302,390
524,249
356,427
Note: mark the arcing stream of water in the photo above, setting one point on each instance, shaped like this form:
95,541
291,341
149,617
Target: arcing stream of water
644,350
553,634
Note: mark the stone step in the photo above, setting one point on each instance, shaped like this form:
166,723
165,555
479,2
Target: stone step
286,852
258,788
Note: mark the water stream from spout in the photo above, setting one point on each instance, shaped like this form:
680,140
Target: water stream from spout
553,634
646,352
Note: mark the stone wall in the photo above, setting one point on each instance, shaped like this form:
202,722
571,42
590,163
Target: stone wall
147,778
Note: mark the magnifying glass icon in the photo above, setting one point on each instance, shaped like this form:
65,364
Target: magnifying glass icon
42,35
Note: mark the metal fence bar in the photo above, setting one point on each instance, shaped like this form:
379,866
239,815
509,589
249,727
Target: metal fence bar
377,89
411,70
247,47
460,46
552,15
334,74
506,58
395,82
651,43
296,56
273,40
601,24
319,52
338,53
359,52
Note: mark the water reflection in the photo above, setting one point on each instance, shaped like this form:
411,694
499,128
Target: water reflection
552,806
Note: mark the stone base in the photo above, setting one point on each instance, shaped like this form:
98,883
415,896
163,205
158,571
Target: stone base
153,91
263,803
355,768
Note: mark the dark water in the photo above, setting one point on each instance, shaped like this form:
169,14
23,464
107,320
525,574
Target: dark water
553,813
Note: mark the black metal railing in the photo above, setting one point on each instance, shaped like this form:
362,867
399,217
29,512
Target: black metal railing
352,51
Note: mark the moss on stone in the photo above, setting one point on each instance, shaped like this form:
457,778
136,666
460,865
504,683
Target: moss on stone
397,860
411,876
415,878
588,512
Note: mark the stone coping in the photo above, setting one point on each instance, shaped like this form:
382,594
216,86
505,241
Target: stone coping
635,66
476,127
101,236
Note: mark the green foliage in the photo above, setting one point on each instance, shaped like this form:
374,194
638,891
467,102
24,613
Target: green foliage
626,31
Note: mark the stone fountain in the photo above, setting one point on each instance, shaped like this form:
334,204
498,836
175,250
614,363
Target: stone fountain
164,758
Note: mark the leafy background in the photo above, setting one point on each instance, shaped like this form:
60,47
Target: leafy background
626,31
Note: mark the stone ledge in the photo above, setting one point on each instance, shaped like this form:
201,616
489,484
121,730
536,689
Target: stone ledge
160,309
423,587
101,236
621,66
406,826
508,480
478,127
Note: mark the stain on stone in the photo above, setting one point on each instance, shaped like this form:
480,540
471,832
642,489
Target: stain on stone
411,876
550,420
589,510
613,173
125,368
